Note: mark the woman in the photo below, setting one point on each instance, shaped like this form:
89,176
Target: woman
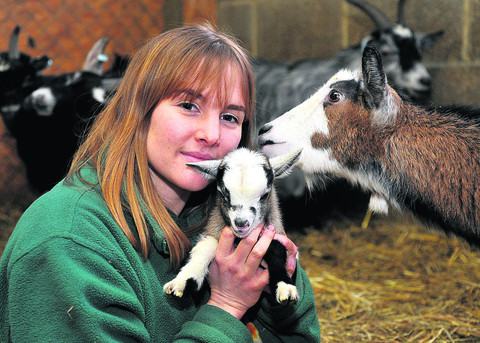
88,260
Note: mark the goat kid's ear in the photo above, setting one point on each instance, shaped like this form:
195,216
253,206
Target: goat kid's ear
282,165
208,169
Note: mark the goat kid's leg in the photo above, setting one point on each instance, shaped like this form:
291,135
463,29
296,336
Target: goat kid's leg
197,267
280,282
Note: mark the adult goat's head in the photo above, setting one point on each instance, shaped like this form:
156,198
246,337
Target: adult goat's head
401,51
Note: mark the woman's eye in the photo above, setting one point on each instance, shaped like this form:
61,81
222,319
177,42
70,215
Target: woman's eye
188,106
230,118
334,96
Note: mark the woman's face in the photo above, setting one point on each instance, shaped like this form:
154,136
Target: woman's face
184,130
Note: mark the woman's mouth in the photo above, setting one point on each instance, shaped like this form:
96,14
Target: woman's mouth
194,156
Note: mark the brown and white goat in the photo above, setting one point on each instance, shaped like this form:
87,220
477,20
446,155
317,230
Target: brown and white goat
356,127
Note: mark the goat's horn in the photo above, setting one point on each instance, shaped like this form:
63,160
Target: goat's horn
96,57
401,12
13,51
378,17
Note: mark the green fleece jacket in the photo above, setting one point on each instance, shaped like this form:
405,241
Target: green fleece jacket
69,274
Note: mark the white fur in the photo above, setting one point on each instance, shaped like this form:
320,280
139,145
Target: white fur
201,256
4,66
286,292
43,101
378,204
99,94
403,31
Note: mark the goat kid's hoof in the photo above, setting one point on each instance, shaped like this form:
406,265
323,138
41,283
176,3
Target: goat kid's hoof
286,293
175,287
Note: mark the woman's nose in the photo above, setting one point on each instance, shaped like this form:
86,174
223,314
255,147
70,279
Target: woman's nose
208,130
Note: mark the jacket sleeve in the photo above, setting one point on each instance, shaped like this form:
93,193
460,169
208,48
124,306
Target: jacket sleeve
290,323
56,294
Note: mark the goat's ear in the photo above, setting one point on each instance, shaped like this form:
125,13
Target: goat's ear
374,79
377,96
282,165
41,63
208,169
428,39
96,57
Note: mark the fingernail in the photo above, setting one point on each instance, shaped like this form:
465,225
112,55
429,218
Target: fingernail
271,227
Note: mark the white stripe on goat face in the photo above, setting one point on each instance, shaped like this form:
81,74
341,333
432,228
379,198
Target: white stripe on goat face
294,130
246,182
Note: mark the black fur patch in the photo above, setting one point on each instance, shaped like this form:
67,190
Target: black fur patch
276,258
349,88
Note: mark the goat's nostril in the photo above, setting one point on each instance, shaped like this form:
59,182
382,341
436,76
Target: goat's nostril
426,81
264,129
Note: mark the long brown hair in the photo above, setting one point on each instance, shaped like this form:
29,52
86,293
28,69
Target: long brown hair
191,57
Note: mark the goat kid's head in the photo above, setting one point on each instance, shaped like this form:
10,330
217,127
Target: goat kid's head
244,184
401,50
339,128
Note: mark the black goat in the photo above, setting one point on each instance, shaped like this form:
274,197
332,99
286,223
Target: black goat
48,114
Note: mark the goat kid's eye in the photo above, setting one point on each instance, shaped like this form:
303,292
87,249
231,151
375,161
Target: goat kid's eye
335,96
264,196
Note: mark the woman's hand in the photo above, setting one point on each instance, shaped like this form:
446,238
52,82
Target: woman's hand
236,281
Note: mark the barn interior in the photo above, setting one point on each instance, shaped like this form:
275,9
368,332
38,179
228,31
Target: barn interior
393,280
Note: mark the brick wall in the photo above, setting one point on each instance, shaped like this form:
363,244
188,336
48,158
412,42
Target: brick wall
65,30
289,30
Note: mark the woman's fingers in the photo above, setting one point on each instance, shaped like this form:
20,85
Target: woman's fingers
247,243
259,249
225,243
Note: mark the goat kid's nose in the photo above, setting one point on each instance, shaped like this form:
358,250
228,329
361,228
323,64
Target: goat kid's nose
264,129
241,223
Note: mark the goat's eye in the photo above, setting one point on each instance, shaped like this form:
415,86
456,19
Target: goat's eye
387,52
334,96
264,196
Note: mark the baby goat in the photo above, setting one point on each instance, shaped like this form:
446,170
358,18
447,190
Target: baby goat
358,128
245,198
